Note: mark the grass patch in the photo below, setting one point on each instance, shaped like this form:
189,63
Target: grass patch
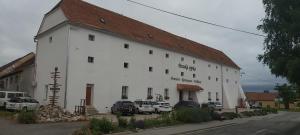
27,117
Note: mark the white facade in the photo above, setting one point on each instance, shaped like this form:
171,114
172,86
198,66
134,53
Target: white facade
68,47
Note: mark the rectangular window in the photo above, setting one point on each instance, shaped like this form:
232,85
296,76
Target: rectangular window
182,73
2,84
209,96
150,51
149,93
46,92
209,65
91,59
194,75
217,79
2,94
150,69
50,39
217,96
126,46
126,65
124,92
166,94
190,96
194,61
91,37
182,59
11,80
167,71
216,67
209,77
167,55
16,78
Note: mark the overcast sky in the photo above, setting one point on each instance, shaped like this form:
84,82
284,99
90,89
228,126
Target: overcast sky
20,20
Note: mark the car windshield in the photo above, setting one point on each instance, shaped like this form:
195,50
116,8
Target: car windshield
16,100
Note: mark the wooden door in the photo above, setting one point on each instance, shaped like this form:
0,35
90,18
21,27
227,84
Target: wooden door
88,95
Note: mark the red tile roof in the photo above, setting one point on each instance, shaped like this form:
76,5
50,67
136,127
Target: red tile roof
188,87
256,96
82,13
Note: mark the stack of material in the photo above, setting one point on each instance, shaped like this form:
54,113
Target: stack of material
51,113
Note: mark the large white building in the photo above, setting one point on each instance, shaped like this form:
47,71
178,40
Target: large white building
104,57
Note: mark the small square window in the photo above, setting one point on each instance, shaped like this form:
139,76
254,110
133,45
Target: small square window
150,51
150,69
209,77
194,75
216,67
182,73
91,37
167,71
194,61
50,39
209,65
126,65
217,79
91,59
126,46
167,55
182,58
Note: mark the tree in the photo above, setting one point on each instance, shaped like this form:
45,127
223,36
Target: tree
282,42
287,93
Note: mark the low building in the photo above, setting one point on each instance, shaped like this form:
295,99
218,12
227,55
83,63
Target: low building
18,75
262,99
104,57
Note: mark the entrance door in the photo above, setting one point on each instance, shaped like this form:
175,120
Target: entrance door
88,95
180,95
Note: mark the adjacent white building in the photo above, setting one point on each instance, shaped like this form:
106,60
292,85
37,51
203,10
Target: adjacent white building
104,57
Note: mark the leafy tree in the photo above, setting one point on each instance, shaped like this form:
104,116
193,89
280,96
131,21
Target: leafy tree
282,42
287,93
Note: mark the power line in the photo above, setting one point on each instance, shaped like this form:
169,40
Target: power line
198,20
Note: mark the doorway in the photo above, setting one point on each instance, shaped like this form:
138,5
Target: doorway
88,94
180,95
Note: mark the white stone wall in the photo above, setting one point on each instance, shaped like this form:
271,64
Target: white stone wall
52,19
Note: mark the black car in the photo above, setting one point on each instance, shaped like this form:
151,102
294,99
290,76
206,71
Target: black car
188,104
123,107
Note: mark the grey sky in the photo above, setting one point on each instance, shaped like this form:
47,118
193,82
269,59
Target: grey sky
20,20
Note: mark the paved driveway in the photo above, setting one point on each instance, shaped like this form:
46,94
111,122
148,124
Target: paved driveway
11,128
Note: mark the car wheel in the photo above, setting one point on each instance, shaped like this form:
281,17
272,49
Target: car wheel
24,109
156,110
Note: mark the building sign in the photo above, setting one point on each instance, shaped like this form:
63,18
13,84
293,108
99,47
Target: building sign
184,80
187,67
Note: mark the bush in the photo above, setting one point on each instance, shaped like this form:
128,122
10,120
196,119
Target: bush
122,122
230,115
270,110
27,117
100,126
139,124
192,115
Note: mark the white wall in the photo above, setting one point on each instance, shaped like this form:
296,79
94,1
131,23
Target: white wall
108,75
52,19
48,56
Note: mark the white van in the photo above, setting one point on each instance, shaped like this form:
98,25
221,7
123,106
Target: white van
5,96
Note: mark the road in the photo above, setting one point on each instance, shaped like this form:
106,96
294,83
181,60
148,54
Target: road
287,124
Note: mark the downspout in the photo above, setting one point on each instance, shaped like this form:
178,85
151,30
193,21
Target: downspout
67,68
222,85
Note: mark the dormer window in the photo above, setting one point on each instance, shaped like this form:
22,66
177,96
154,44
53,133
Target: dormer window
102,20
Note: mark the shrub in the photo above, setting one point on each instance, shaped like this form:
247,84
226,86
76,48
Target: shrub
192,115
230,115
122,122
27,117
100,126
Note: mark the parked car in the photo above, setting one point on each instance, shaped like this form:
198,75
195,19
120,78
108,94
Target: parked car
161,107
215,105
143,106
22,103
123,107
5,96
188,104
